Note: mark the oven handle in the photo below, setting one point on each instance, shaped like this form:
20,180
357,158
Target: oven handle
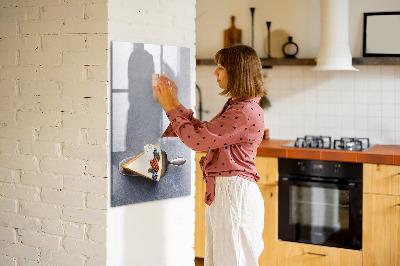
297,181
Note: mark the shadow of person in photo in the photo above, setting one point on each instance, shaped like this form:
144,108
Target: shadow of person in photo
144,116
143,126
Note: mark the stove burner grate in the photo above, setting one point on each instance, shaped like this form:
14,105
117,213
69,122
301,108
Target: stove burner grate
321,142
324,142
351,144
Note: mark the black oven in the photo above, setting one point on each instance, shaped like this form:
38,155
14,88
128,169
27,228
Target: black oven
320,202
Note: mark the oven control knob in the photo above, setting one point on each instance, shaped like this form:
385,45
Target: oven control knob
301,165
336,169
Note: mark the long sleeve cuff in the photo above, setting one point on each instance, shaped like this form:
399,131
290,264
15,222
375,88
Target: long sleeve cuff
181,111
185,112
171,114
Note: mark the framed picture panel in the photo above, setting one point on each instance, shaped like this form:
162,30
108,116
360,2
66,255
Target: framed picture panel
381,36
138,121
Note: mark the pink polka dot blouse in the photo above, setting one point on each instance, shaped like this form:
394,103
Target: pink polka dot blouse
231,139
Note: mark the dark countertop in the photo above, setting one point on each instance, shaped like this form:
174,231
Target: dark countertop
379,154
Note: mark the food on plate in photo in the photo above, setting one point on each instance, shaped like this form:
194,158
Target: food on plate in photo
152,163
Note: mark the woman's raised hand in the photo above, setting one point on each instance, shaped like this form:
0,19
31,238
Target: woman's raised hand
174,90
164,94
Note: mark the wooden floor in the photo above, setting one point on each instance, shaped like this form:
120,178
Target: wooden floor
199,262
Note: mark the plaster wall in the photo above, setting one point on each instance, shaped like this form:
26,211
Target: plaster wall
156,232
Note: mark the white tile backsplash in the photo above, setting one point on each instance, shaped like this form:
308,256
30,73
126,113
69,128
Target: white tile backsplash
388,83
388,111
374,111
397,95
364,103
361,110
322,121
387,71
388,97
322,95
374,123
389,135
374,83
387,124
361,125
397,111
397,72
297,83
347,122
347,110
348,96
310,109
374,97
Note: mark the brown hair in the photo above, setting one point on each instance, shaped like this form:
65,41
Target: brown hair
245,78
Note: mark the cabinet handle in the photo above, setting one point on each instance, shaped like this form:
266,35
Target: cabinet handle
318,254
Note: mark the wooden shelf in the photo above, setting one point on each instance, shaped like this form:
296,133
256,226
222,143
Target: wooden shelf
267,63
312,61
376,61
288,62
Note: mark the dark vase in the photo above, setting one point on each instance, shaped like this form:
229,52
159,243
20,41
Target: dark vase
290,49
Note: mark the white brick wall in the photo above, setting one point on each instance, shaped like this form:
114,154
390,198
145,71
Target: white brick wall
53,124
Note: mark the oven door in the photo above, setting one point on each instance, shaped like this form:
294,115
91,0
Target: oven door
316,211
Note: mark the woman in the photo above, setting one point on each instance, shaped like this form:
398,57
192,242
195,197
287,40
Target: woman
235,207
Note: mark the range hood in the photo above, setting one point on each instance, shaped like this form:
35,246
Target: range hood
334,51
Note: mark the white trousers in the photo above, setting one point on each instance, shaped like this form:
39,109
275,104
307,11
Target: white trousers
234,223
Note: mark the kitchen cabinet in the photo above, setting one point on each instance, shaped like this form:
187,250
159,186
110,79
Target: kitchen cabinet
381,221
267,167
270,233
298,254
200,207
381,230
381,215
381,179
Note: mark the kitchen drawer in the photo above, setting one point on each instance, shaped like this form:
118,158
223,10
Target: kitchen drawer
381,179
298,254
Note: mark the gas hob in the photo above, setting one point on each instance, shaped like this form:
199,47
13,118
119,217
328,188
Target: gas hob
325,142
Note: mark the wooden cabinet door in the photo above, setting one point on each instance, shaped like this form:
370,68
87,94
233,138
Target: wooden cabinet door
267,168
298,254
381,230
270,233
381,179
200,207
